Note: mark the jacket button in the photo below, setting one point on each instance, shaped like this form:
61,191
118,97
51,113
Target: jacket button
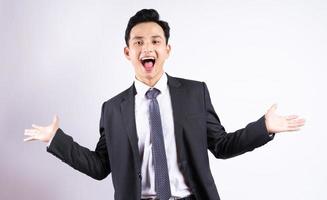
140,176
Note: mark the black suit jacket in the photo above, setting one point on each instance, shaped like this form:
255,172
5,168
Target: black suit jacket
197,129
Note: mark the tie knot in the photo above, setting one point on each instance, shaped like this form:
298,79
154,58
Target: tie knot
152,93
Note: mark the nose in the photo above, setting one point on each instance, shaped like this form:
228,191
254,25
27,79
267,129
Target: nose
147,48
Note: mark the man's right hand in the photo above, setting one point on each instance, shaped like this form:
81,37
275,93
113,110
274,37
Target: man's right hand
42,133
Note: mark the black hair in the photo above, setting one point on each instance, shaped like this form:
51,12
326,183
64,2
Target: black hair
146,15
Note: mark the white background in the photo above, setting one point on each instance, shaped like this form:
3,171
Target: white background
66,58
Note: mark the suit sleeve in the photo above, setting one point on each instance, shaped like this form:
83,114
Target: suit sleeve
92,163
226,145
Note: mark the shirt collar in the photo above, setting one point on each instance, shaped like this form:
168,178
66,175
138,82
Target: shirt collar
142,88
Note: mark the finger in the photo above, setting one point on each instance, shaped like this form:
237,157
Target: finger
55,119
291,117
30,131
273,108
295,126
293,129
297,122
29,139
36,126
29,134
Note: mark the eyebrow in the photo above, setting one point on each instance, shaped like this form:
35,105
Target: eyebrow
141,37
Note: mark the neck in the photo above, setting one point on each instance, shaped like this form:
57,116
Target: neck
150,81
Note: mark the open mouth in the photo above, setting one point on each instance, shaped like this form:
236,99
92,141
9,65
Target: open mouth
148,62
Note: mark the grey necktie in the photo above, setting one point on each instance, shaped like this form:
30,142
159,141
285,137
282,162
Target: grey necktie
162,185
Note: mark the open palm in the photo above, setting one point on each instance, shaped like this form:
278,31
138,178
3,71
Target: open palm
276,123
42,133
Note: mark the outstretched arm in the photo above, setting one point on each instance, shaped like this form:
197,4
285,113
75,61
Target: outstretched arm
93,163
254,135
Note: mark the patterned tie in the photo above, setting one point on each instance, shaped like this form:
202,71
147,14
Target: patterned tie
162,185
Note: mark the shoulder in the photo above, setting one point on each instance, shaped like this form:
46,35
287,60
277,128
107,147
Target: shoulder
185,83
122,96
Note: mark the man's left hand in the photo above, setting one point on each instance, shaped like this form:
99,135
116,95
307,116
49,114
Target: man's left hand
276,123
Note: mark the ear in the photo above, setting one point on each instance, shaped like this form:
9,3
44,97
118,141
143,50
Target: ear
126,53
168,48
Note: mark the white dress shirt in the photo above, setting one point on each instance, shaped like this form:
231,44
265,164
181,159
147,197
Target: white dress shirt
178,186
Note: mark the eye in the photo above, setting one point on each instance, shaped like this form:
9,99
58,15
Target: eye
139,43
155,42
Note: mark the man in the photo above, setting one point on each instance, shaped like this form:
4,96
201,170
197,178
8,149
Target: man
154,136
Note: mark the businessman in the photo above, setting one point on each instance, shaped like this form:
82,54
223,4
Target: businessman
155,135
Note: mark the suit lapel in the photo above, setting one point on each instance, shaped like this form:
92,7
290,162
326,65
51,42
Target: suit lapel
176,94
128,115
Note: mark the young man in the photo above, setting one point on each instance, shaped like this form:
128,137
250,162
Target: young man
154,136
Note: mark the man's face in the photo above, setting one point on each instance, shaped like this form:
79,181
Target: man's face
147,51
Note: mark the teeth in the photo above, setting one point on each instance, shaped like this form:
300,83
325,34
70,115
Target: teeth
146,58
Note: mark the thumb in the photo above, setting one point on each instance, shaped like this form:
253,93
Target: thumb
272,109
55,119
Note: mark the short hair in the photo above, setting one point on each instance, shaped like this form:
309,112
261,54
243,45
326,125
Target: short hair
146,15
